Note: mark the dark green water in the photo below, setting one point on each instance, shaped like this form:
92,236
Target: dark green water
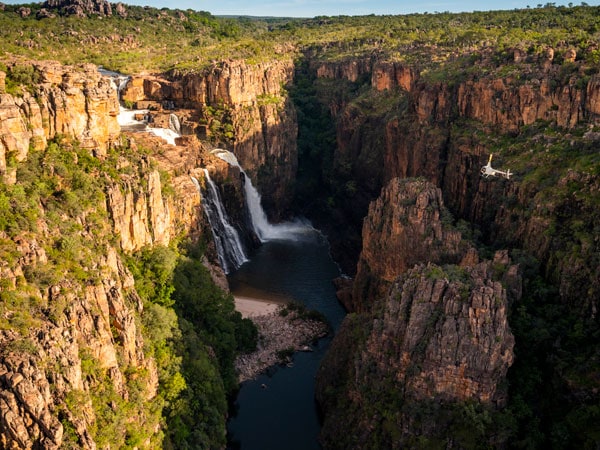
283,414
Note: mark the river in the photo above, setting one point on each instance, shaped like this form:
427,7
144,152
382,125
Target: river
278,410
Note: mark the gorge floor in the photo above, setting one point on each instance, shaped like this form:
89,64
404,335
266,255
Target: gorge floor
277,408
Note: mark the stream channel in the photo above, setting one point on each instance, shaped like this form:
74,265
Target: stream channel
277,410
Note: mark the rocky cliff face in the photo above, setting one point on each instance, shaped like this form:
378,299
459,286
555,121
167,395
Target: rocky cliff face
351,69
72,355
243,108
139,218
77,360
51,373
405,226
540,122
431,335
72,101
440,337
83,8
444,131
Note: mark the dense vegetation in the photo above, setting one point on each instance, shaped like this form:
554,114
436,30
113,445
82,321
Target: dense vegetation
194,333
152,39
556,364
557,342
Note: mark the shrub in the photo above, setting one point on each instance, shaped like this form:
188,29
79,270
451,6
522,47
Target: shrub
25,76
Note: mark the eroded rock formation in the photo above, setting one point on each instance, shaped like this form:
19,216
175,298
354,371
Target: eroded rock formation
444,131
83,8
405,226
427,333
91,328
440,336
76,341
76,102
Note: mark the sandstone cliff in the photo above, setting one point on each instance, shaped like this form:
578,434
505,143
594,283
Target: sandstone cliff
83,8
406,225
413,125
426,335
72,101
81,340
540,121
73,359
401,376
241,107
141,214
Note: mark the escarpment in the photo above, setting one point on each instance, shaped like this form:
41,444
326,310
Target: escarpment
406,225
412,125
77,345
241,107
438,342
540,123
82,353
427,334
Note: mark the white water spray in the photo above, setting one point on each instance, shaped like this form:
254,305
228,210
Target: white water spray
264,230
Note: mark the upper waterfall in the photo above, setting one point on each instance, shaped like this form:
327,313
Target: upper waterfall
174,123
263,229
129,119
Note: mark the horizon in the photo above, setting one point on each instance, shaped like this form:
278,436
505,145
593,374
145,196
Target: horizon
315,8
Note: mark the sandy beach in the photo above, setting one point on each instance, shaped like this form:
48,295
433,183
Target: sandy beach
254,307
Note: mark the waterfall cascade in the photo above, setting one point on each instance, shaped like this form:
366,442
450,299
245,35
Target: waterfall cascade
128,118
264,230
230,249
174,124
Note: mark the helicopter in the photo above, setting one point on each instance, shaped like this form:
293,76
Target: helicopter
487,170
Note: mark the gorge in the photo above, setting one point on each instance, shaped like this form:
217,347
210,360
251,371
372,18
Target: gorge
472,302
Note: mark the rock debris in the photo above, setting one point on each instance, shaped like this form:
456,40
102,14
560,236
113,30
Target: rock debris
278,335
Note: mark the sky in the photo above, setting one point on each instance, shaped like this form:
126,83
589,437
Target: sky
311,8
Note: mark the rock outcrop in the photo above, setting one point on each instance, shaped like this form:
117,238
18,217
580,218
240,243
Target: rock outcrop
405,226
389,75
440,336
71,345
45,370
139,218
82,8
76,102
350,69
425,333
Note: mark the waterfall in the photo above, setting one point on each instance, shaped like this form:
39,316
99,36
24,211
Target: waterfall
174,123
127,117
264,230
118,80
227,240
166,134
